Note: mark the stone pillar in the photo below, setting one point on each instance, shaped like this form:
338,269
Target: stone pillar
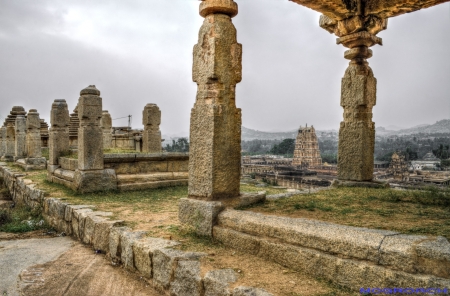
90,149
151,136
10,149
73,129
358,94
106,124
21,136
2,141
91,175
215,130
34,143
59,132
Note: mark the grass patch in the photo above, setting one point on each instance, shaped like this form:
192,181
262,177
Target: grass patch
269,190
120,151
414,212
21,219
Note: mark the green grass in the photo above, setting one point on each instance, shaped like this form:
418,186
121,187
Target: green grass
21,219
269,190
415,212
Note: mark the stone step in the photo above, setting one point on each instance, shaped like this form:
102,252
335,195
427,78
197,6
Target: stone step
152,177
151,184
408,253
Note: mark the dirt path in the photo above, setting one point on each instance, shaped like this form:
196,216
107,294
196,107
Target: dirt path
80,271
62,266
17,255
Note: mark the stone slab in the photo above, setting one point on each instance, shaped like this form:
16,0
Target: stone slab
201,215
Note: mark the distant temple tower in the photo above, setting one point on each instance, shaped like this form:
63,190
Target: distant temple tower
306,151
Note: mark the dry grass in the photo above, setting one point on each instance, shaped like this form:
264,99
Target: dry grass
414,212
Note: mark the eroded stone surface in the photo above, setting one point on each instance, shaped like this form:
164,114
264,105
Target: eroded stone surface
187,280
59,131
215,130
151,136
216,282
21,136
201,215
106,124
249,291
90,149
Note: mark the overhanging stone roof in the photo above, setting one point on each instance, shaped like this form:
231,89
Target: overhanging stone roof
342,9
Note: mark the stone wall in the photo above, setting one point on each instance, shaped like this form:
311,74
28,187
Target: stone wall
132,171
171,271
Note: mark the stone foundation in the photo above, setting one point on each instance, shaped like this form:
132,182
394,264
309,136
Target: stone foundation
123,172
172,272
33,163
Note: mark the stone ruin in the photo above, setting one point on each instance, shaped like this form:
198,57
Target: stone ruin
93,170
151,136
73,129
15,136
214,159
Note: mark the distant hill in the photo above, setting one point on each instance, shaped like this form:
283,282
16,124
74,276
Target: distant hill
441,126
248,134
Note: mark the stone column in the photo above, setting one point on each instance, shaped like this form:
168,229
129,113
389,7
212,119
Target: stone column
91,175
21,136
90,149
10,149
358,95
2,141
151,136
34,143
215,130
106,124
59,132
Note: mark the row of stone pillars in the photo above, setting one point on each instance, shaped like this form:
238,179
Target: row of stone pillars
215,130
21,139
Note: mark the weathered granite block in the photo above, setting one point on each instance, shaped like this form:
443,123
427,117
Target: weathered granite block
21,136
127,240
78,216
249,291
89,226
165,263
58,141
102,229
143,250
96,180
151,136
187,280
200,214
115,248
90,148
216,282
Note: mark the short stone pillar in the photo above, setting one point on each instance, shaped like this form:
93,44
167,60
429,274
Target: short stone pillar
10,141
215,130
91,175
21,137
151,136
59,133
358,94
106,124
2,141
34,159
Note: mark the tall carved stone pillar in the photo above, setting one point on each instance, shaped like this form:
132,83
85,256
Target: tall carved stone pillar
215,130
34,143
151,136
90,149
106,124
21,136
91,175
59,132
358,95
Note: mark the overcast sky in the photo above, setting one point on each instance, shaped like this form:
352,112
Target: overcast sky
139,52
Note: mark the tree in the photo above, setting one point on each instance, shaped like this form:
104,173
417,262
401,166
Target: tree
181,145
286,147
